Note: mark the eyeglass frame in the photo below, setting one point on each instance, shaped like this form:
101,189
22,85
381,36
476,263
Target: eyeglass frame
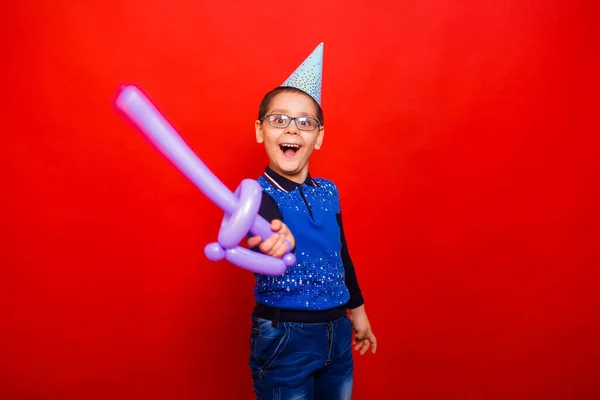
295,119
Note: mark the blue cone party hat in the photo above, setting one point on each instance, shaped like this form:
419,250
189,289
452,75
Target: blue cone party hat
308,76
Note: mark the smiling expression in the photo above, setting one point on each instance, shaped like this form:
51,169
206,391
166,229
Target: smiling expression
289,149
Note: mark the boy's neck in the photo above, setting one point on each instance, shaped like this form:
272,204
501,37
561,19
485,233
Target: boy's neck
299,178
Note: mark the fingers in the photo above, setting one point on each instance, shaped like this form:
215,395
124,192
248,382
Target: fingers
279,248
373,344
268,244
254,241
362,346
276,225
363,340
280,227
362,343
274,246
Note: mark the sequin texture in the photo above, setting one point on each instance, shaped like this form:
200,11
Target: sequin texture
317,280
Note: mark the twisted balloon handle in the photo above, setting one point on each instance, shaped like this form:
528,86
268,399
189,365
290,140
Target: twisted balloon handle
241,208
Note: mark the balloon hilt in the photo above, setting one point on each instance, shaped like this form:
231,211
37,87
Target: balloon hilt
235,227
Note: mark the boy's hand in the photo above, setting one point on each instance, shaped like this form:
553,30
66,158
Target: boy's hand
275,245
364,337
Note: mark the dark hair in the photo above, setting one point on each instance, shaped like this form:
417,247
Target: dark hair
266,101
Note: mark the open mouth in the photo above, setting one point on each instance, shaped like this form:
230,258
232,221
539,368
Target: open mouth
289,149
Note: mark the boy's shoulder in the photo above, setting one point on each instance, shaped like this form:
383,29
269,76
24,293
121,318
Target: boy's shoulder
325,183
328,185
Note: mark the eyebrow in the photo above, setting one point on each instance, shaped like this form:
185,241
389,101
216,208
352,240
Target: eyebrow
281,111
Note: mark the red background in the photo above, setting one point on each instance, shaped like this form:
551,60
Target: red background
462,135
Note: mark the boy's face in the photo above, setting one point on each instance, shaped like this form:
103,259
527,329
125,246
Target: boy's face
289,149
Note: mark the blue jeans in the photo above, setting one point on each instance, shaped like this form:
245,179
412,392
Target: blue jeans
301,360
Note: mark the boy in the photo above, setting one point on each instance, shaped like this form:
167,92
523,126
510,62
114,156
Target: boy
301,336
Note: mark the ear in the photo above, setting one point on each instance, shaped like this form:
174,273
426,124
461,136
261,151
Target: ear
320,135
259,134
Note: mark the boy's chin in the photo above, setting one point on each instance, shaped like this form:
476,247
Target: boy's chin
290,168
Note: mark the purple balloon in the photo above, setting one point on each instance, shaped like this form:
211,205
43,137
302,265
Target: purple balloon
235,226
241,208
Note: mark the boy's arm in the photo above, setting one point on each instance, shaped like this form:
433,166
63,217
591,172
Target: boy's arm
269,210
356,298
363,338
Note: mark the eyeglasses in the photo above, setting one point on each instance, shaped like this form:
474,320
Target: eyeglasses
282,121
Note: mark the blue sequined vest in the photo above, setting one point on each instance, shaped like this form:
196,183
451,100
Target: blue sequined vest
316,281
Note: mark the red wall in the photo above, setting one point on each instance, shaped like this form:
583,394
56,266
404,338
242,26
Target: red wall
463,136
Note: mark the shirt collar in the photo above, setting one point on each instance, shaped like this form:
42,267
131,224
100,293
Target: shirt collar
285,184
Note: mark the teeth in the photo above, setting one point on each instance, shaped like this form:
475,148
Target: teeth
290,145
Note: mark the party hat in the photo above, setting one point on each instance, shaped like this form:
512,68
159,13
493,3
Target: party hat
307,77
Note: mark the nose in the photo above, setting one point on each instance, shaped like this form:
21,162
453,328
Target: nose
292,129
